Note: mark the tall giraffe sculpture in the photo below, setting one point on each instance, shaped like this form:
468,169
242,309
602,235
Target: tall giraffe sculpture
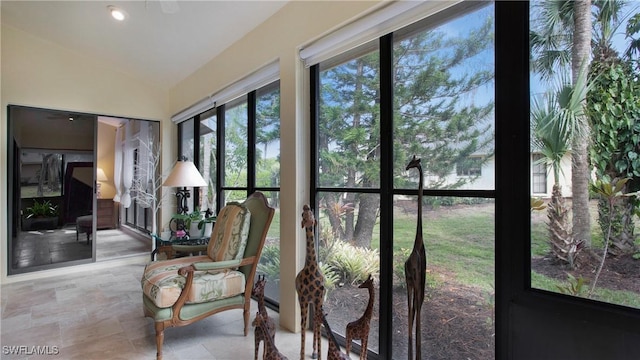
415,272
334,352
268,323
310,285
271,352
359,329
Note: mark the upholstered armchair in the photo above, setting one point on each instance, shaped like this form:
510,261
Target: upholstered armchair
181,291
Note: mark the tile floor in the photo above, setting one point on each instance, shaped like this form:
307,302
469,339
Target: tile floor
97,314
36,250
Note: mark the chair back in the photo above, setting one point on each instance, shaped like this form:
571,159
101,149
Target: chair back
261,216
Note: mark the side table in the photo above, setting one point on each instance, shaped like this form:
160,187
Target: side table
173,245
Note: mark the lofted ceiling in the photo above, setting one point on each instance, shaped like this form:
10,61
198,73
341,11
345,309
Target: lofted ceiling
160,41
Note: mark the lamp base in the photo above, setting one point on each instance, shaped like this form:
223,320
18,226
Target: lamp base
182,195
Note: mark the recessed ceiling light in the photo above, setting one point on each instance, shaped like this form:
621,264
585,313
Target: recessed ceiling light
116,13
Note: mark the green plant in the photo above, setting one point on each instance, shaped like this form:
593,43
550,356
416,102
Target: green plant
41,209
354,263
208,218
610,192
574,286
331,277
269,264
187,219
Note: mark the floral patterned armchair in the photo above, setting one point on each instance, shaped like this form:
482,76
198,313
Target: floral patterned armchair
181,291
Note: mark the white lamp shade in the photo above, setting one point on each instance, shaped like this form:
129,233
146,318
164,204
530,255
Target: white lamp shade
101,176
184,174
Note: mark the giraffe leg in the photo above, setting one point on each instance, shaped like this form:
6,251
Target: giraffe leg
317,320
363,350
303,324
348,337
410,297
418,307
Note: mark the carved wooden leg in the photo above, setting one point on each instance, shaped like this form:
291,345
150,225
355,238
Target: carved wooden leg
246,318
304,306
159,340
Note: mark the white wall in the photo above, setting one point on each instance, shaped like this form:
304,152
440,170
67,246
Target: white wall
41,74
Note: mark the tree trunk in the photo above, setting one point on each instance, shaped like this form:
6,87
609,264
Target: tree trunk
367,215
580,165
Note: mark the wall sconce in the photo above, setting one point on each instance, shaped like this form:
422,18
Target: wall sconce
100,177
183,175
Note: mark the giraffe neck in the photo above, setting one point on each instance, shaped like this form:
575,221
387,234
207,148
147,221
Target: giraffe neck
369,309
419,222
311,248
261,308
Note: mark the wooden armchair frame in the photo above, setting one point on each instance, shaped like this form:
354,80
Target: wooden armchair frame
182,313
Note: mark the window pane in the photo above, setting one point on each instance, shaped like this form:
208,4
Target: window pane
269,265
235,136
268,136
187,141
584,248
208,160
458,235
444,101
349,124
349,250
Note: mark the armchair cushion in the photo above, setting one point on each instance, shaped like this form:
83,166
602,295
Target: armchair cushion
162,284
230,233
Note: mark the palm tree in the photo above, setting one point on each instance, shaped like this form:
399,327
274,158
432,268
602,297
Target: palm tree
563,35
555,123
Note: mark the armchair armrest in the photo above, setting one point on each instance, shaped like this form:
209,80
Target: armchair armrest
216,265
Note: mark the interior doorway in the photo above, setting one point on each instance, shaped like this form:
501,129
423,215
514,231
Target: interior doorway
61,180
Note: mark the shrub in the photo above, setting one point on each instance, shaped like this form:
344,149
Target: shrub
269,264
41,209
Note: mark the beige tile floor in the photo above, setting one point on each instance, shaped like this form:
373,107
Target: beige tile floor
97,314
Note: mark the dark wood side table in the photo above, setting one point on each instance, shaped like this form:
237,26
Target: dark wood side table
106,218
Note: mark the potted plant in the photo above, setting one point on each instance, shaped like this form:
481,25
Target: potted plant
190,221
40,216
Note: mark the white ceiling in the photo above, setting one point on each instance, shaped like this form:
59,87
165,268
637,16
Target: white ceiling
159,44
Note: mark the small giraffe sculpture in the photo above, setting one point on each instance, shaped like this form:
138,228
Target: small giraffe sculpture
415,272
268,323
310,285
359,329
334,352
271,352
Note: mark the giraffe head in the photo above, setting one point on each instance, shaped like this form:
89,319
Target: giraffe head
308,220
367,283
414,163
258,287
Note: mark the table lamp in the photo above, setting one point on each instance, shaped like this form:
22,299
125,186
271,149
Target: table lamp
184,175
100,177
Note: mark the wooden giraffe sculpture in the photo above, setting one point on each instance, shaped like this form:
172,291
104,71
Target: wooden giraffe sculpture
310,285
415,272
271,352
359,329
268,323
334,352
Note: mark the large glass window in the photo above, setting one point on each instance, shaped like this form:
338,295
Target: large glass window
437,81
239,153
208,160
584,239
